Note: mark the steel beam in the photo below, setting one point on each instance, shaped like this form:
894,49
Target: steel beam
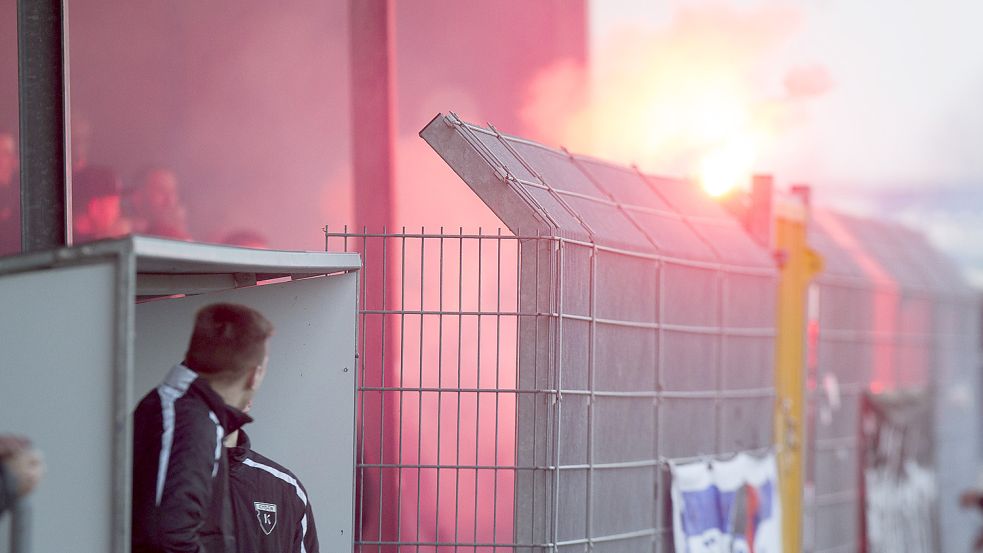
42,59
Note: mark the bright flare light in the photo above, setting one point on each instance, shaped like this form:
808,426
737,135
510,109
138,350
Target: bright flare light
728,166
693,98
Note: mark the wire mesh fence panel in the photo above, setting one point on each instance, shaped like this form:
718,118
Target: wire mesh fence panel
527,393
436,463
884,314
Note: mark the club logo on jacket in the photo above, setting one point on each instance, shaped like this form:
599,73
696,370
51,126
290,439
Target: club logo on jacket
266,513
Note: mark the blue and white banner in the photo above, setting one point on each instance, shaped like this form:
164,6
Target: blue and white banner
727,506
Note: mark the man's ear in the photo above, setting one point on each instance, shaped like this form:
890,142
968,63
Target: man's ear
256,375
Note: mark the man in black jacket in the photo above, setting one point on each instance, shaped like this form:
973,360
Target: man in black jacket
180,471
271,508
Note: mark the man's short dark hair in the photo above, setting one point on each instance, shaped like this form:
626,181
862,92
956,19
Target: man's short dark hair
228,340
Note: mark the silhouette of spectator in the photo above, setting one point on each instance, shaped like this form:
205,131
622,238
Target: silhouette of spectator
96,205
9,195
154,206
245,238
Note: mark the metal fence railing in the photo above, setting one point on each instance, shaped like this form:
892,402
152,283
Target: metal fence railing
528,393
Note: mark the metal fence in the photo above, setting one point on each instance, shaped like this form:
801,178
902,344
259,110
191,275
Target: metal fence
526,391
888,314
436,464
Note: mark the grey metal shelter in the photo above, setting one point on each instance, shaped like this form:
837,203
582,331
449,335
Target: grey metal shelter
88,330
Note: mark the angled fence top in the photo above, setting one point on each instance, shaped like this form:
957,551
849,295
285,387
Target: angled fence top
538,190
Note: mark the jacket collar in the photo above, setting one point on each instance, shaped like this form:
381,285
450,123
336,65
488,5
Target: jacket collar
229,417
241,450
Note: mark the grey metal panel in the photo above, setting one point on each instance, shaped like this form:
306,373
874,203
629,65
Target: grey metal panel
555,170
627,358
689,361
576,354
748,363
674,235
627,288
751,301
575,279
685,429
573,509
836,469
691,296
623,500
305,410
59,343
838,526
159,255
745,423
485,174
574,430
624,184
613,417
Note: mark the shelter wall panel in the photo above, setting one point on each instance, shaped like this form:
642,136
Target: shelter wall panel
57,384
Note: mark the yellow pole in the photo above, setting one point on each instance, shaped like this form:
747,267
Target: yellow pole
799,264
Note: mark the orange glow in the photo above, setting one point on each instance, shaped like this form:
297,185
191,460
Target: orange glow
694,98
727,167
